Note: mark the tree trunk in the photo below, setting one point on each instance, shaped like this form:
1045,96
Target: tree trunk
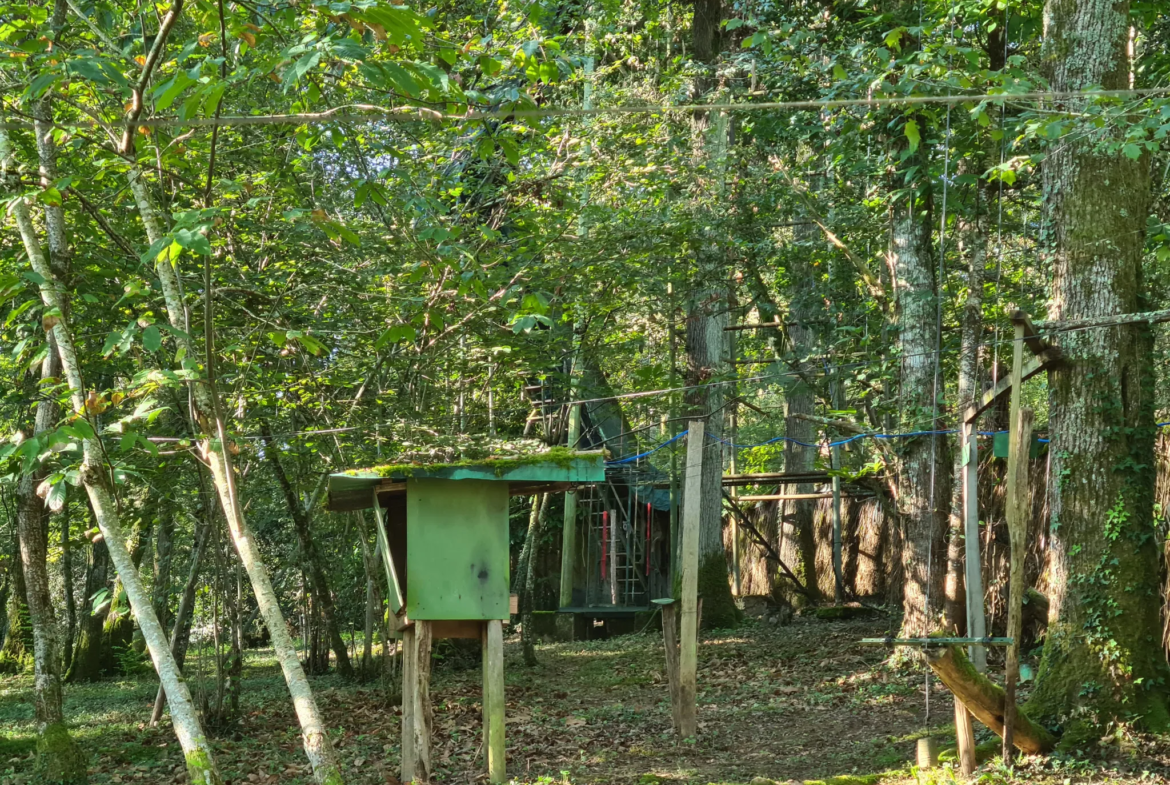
1101,662
216,449
924,494
163,542
707,315
800,398
526,575
973,242
59,759
67,580
94,475
181,631
18,639
87,655
312,557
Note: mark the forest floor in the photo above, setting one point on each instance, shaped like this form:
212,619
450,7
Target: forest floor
794,703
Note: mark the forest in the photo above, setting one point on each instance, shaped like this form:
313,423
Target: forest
622,391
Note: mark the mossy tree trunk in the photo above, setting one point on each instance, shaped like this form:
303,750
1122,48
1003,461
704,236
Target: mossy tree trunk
1102,657
924,497
707,315
973,229
17,633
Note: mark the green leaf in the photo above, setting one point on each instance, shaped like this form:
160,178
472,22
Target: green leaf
1132,151
151,339
912,134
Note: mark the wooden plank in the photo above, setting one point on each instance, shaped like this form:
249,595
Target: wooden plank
392,582
689,564
1020,426
456,628
493,686
1033,366
670,643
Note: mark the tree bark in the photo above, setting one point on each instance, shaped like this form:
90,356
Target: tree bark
17,635
312,557
200,765
70,600
923,460
163,543
1100,660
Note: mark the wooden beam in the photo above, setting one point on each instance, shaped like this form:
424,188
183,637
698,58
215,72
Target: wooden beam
1149,317
1032,366
780,497
689,564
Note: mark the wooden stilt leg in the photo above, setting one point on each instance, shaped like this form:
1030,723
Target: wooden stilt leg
422,702
493,684
670,641
965,737
409,680
487,700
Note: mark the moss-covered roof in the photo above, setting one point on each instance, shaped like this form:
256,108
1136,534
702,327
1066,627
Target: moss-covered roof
522,463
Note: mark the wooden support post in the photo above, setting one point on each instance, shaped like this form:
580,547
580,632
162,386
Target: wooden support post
1020,427
569,532
409,682
976,618
493,700
416,703
835,459
689,562
965,738
838,572
670,643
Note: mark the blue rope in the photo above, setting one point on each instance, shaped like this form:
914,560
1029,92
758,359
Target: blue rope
651,451
838,443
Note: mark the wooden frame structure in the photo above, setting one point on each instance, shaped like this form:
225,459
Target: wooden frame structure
442,536
1044,356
